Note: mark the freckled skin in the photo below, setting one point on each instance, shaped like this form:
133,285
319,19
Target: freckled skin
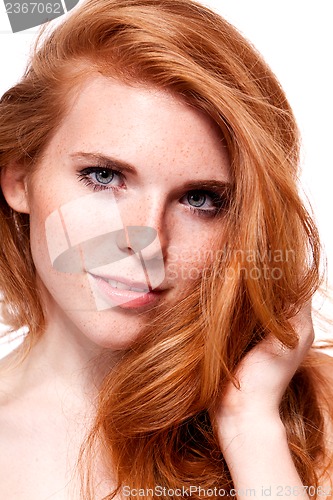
168,143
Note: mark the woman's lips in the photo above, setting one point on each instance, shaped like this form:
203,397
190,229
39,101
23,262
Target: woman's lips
127,294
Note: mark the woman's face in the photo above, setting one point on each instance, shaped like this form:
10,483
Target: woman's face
124,206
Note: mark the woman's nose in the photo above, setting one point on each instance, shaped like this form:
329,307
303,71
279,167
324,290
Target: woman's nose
144,228
140,240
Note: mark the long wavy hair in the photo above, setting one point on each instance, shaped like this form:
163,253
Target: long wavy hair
154,419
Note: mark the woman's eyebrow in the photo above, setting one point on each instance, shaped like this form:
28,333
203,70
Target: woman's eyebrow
103,160
209,185
110,162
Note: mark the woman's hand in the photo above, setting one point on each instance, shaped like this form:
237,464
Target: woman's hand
265,372
252,437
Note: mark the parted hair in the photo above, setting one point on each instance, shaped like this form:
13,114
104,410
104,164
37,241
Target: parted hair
155,413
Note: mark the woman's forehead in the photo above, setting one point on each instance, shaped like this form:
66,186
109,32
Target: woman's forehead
143,126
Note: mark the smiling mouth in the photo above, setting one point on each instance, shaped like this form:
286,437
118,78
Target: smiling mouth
125,295
120,285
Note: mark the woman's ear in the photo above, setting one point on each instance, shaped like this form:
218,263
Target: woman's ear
14,187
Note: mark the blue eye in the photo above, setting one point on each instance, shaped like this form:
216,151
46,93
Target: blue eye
205,203
196,199
200,202
104,176
101,178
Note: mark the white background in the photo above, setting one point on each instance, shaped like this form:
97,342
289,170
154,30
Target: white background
296,39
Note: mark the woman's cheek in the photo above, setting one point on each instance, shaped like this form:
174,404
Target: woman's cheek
173,272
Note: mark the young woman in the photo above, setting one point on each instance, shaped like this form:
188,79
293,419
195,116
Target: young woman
154,242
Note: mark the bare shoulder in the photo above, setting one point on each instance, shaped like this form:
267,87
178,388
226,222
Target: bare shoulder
321,365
